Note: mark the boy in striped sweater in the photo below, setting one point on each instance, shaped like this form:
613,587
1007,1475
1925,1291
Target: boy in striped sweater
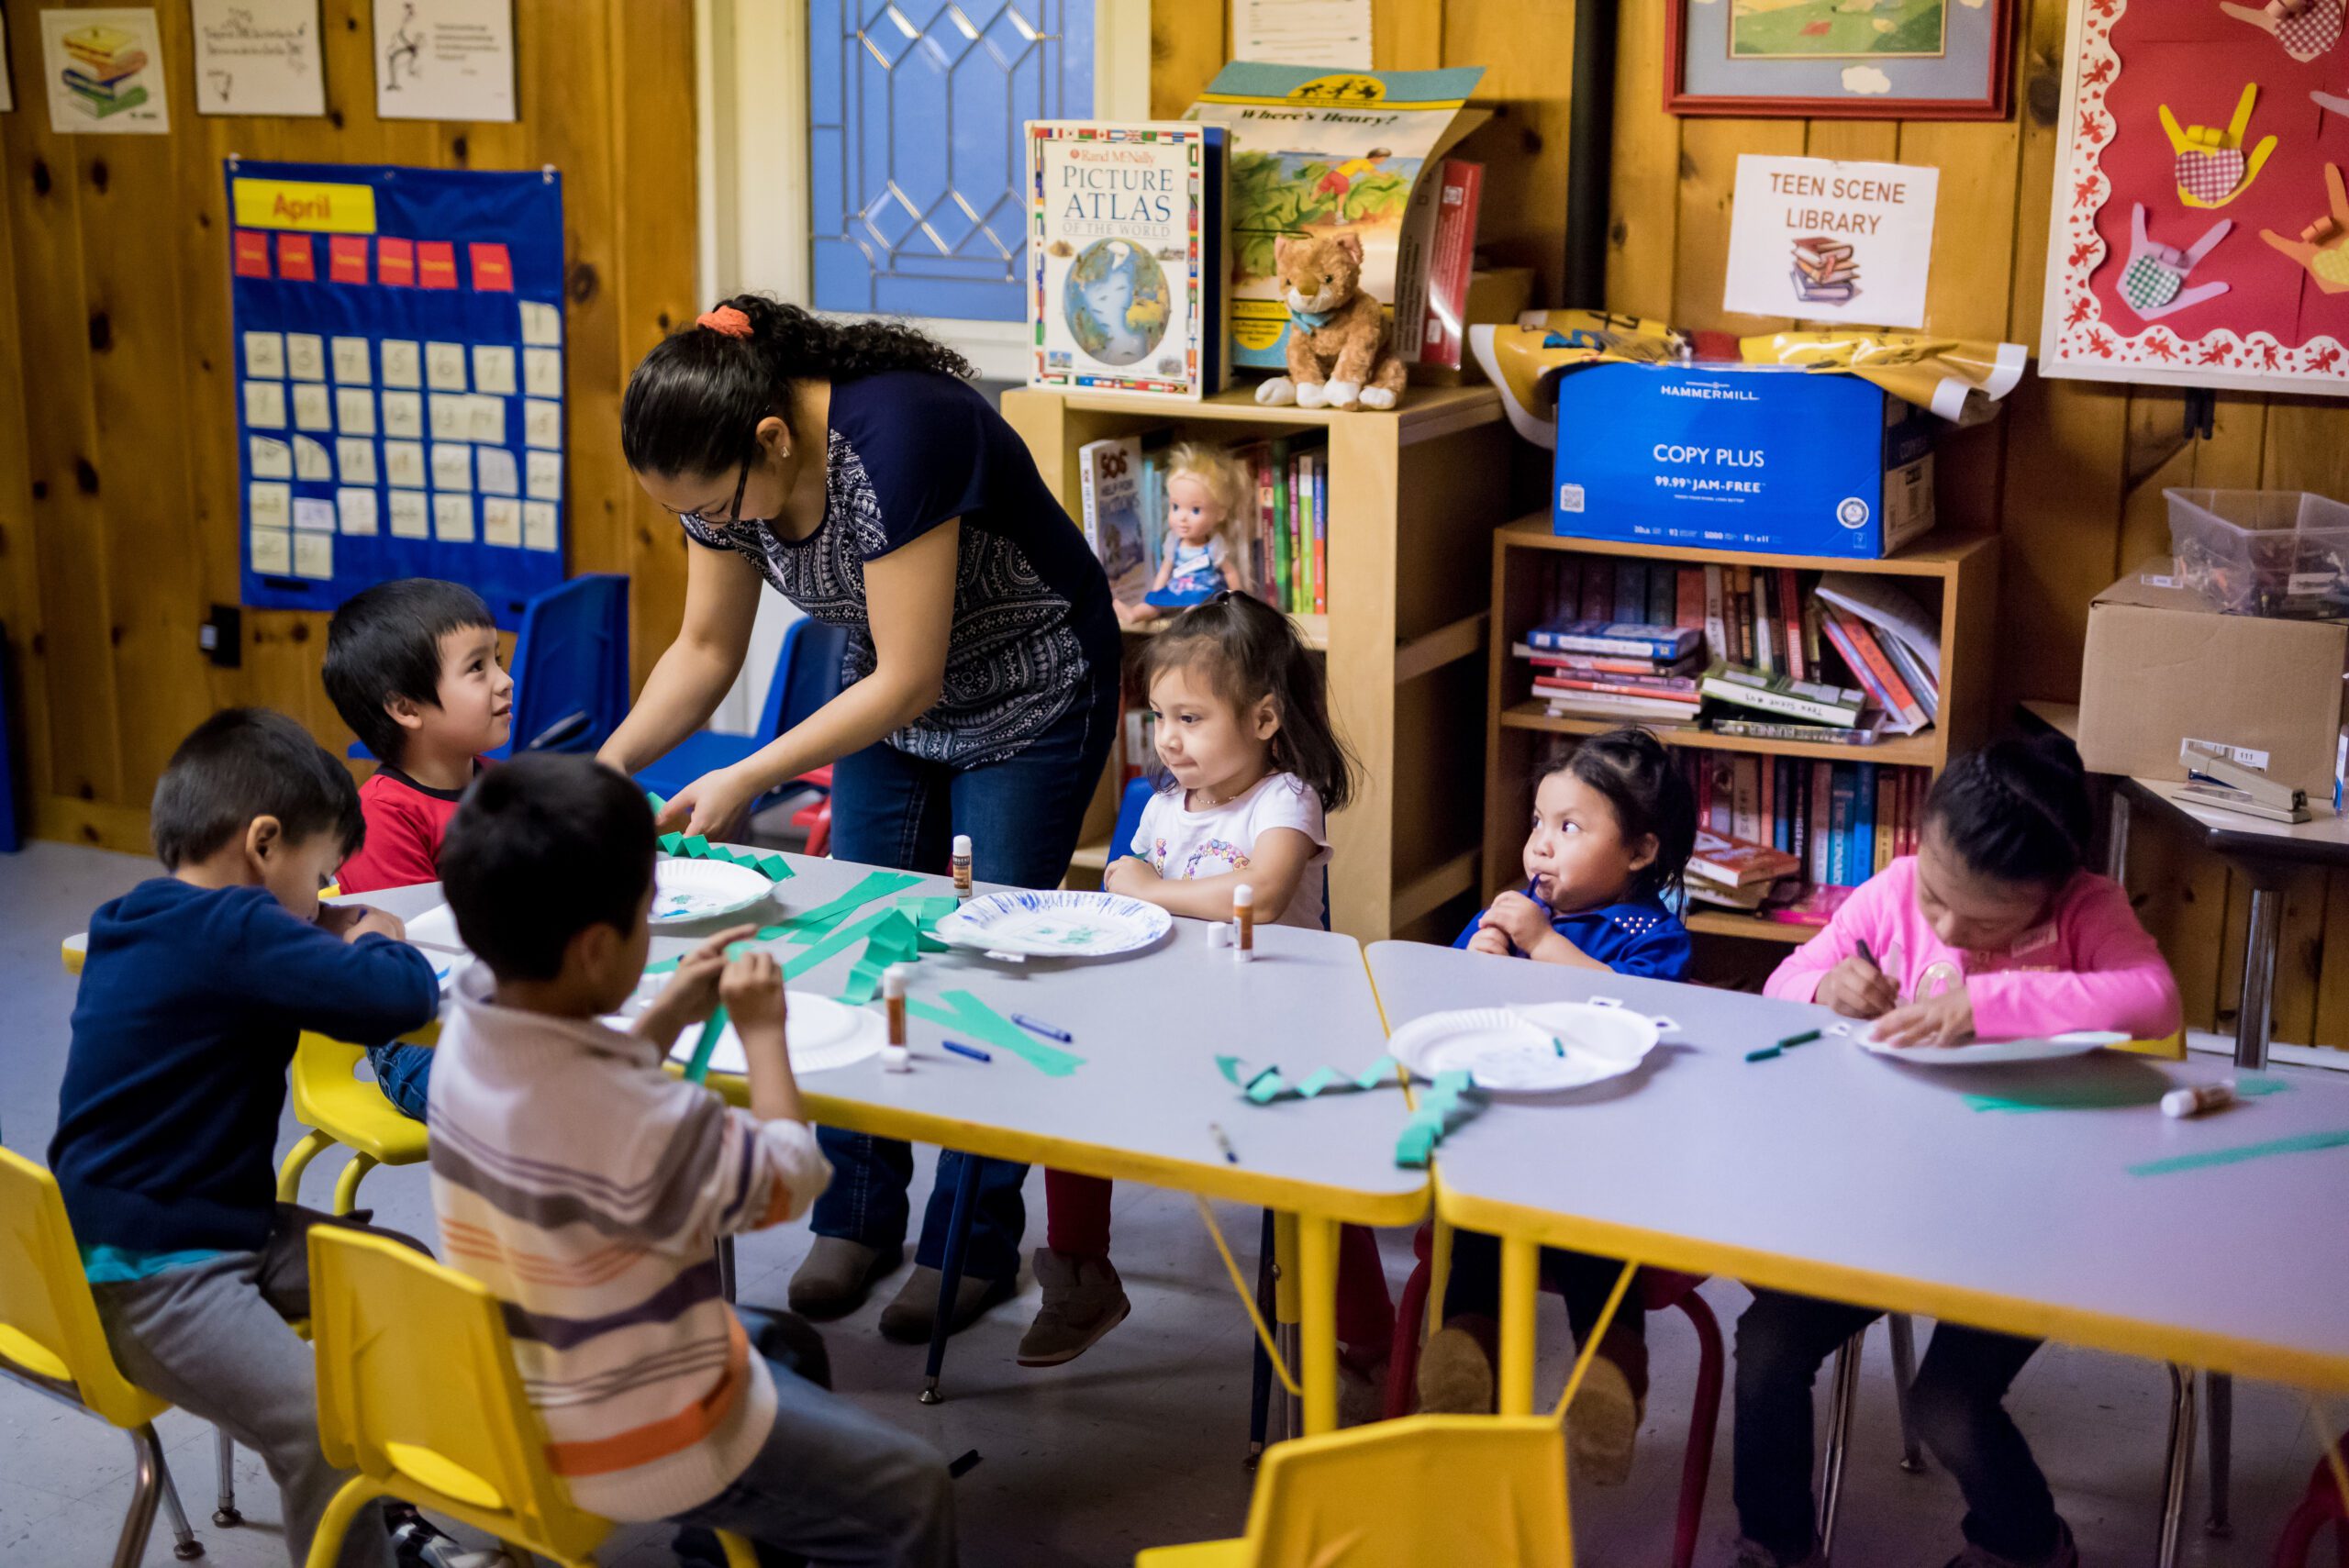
588,1188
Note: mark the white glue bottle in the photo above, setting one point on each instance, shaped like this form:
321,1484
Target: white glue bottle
893,1055
2196,1098
962,865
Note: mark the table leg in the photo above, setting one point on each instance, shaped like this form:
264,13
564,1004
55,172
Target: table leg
2219,1394
2258,976
1903,1330
950,1276
1843,1394
1521,1285
2116,839
1260,1365
726,1267
1287,1312
1316,1251
2177,1475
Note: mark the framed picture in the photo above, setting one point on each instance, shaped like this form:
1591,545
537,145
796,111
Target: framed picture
2198,233
1908,60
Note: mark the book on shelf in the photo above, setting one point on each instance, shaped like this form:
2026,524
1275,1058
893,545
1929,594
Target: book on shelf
1809,734
1116,526
1620,639
1766,625
1597,592
1434,291
1631,593
1862,651
1815,905
1766,693
1716,613
1125,256
1737,861
1792,610
1679,689
1602,663
1746,900
1609,704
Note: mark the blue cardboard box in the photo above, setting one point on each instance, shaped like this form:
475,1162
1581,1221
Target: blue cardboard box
1763,458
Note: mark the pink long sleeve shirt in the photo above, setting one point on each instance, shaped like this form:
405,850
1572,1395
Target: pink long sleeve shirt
2089,966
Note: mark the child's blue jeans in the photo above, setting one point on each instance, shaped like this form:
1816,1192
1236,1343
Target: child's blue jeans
1023,815
405,1074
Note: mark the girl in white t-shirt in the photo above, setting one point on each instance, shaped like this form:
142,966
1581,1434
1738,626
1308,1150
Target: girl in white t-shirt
1252,764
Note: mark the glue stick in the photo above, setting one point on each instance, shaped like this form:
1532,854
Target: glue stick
894,1057
1244,922
2196,1098
962,863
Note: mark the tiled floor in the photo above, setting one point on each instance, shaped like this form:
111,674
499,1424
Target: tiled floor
1140,1441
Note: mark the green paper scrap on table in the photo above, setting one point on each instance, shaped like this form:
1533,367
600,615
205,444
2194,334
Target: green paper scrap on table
670,843
2306,1143
2147,1091
1266,1085
837,942
1451,1100
892,940
966,1014
811,924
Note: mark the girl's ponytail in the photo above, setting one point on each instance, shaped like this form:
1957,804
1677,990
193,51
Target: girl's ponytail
694,405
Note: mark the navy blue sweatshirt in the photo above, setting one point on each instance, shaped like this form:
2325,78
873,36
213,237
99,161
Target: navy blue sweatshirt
190,1004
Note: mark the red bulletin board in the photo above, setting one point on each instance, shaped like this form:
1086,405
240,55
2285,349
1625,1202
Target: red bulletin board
2186,305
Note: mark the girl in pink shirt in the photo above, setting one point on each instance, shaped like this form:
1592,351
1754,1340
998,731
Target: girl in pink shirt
1993,930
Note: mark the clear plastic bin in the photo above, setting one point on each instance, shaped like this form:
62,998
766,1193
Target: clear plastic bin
2262,553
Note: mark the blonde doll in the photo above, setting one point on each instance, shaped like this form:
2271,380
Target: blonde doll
1204,490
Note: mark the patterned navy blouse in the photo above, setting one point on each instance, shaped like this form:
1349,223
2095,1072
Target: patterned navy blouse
1642,938
907,450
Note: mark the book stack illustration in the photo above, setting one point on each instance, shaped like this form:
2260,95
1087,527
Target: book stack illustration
1825,271
104,77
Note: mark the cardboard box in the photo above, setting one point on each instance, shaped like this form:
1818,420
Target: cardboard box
1766,457
2163,666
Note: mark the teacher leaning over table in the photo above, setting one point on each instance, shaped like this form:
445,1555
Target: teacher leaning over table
853,468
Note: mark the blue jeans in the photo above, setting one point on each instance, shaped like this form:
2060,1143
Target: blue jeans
1023,815
832,1484
404,1074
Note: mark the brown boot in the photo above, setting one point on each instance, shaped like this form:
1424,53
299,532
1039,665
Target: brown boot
1603,1424
1456,1368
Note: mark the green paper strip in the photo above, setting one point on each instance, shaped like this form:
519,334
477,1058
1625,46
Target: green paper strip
810,924
2306,1143
839,942
1414,1147
1378,1075
697,1070
864,980
665,966
1230,1067
697,847
934,944
1267,1087
926,909
966,1014
659,804
670,843
1319,1081
777,869
1455,1083
2105,1096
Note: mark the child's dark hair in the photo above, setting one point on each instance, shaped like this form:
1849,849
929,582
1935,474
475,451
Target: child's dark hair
2016,810
244,762
1250,651
384,642
1649,794
542,848
694,405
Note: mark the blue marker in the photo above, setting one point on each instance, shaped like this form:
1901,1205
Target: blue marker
1037,1026
973,1052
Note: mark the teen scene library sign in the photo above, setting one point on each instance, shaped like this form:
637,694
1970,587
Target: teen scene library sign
1824,241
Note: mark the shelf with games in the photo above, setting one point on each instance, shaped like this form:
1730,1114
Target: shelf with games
1412,494
1768,783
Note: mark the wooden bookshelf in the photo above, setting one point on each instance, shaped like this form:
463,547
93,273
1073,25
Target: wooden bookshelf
1414,492
1960,571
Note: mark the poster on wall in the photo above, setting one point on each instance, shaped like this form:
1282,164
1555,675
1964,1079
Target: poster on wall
258,56
2200,235
444,60
1824,241
103,72
398,345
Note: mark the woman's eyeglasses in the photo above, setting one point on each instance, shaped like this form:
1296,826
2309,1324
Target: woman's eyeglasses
734,508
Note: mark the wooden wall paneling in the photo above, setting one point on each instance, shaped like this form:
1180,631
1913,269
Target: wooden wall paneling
44,194
2331,1026
1526,49
2159,456
1853,141
1408,35
27,691
1973,224
2064,480
1186,51
1643,186
2038,100
1708,152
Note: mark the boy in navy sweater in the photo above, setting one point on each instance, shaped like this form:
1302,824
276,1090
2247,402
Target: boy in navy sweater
194,990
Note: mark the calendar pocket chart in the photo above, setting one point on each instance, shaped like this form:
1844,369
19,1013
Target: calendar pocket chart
400,381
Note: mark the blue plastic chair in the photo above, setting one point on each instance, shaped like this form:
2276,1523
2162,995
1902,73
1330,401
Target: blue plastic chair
806,676
570,669
1130,810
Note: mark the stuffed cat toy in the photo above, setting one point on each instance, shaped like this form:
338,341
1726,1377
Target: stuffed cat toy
1338,353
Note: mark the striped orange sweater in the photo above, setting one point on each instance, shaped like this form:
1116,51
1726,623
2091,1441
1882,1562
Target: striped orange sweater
587,1188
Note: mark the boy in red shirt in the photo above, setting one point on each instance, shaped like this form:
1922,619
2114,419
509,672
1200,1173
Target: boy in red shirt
412,667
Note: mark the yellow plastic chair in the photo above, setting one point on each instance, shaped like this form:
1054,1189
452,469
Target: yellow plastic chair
462,1441
2171,1048
51,1343
1485,1489
338,1107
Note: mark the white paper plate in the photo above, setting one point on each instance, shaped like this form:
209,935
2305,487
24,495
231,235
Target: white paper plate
1989,1053
1517,1050
824,1034
1056,925
686,891
436,928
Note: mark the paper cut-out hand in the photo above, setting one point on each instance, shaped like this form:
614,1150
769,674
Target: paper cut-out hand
2307,28
2153,283
2212,168
2323,246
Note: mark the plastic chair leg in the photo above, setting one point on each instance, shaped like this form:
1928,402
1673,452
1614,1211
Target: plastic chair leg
1704,1422
1841,1400
739,1553
1904,1372
1403,1353
950,1277
2177,1475
2219,1395
297,1160
224,1508
131,1546
1260,1365
326,1542
184,1546
346,1186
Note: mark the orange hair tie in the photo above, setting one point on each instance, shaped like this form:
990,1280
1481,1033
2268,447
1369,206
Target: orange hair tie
726,319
